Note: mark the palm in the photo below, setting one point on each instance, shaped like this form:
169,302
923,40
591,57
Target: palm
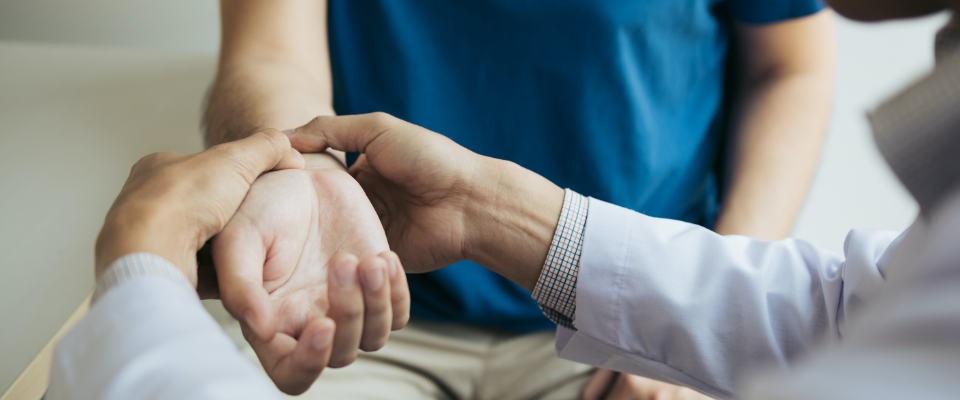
298,221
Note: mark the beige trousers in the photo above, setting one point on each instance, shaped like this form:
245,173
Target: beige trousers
427,360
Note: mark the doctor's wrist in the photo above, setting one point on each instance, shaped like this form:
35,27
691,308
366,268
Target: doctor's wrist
510,221
145,228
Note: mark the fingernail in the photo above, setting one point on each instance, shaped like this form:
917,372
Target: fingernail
373,278
300,156
346,272
289,132
322,339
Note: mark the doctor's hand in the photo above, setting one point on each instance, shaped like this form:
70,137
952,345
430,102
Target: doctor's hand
440,203
288,259
172,203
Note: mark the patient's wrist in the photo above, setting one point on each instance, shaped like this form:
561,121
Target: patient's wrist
329,159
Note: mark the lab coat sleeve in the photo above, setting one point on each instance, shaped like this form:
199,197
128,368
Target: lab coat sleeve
150,338
677,302
905,343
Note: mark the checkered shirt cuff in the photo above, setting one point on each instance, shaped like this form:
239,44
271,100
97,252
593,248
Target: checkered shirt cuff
137,265
556,290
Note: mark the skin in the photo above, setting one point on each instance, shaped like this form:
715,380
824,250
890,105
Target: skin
274,72
440,203
141,221
280,256
263,81
173,203
780,120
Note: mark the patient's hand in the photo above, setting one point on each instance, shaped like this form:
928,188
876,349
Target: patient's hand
293,231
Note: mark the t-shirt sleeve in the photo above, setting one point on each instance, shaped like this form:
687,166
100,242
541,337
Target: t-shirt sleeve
769,11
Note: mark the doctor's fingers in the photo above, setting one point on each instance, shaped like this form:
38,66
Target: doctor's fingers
345,132
379,135
200,181
222,175
249,157
293,364
346,309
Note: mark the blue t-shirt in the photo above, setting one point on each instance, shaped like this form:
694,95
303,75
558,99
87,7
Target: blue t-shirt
622,100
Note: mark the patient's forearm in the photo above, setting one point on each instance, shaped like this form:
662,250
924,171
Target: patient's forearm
778,124
250,96
274,68
774,157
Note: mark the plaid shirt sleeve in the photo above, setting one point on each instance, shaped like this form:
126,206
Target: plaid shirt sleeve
134,266
556,289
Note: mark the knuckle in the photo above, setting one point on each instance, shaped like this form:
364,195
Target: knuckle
147,160
376,308
228,157
381,116
172,179
162,156
274,135
348,315
354,315
225,150
275,138
141,165
381,119
320,120
151,161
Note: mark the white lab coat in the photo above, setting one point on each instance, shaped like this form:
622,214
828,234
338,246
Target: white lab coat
679,303
150,338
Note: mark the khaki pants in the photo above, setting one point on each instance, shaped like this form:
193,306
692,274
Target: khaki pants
427,360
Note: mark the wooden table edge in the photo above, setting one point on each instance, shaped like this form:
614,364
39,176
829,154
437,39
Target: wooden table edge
32,382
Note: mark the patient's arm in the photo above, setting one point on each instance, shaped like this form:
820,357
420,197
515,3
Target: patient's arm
274,69
273,259
274,72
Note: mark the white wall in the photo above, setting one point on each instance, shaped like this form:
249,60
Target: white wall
853,187
180,25
90,113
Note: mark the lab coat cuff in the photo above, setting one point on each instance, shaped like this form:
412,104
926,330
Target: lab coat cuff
602,262
137,265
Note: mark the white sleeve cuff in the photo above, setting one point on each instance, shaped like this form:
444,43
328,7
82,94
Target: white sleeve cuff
137,265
